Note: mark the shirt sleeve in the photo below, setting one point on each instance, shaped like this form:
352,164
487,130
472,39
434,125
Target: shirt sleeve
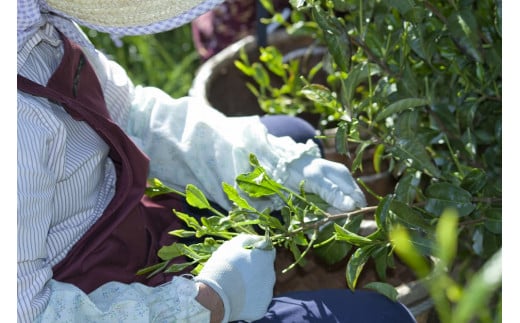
38,169
189,141
117,302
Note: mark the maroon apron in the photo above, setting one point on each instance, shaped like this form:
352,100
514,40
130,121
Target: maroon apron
133,227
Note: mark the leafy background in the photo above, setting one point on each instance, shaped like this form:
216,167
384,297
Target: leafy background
167,60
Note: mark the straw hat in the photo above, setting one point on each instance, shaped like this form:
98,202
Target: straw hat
120,14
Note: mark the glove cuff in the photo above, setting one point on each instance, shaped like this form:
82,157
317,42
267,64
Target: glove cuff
216,287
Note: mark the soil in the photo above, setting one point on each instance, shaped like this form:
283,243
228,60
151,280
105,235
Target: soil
318,275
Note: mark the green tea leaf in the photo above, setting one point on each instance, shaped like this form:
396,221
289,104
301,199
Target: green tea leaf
493,220
356,75
336,37
181,233
404,248
253,89
336,250
399,106
320,94
253,160
408,150
343,234
340,138
407,125
445,195
408,216
273,59
172,251
474,181
235,197
188,219
333,252
464,27
258,184
175,268
268,5
159,267
297,3
196,198
407,187
212,223
381,256
247,70
376,159
446,236
403,6
261,75
297,254
356,263
383,288
271,221
156,187
382,211
358,160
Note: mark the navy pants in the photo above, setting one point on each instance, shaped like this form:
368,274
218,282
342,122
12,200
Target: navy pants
296,128
337,306
327,305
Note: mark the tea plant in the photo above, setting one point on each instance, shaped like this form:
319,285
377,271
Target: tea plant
417,84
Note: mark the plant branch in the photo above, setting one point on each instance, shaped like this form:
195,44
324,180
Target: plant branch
370,55
314,225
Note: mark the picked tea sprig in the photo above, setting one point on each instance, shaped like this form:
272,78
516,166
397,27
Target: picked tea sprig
301,225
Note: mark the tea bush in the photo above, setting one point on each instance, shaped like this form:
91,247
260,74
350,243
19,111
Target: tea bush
415,84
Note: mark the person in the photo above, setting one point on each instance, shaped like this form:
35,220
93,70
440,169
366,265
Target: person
229,22
88,139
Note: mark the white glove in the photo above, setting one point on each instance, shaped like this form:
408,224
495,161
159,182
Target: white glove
189,142
330,180
243,277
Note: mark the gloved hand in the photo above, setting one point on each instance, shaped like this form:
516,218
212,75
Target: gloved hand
330,180
243,277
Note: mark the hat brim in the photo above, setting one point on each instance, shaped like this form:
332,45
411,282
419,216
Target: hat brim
131,13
